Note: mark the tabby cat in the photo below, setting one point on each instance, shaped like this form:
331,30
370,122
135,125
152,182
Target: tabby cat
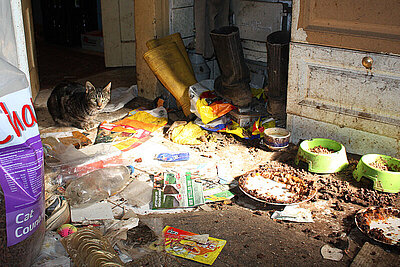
72,104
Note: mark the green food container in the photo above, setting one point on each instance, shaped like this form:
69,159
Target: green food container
385,181
322,163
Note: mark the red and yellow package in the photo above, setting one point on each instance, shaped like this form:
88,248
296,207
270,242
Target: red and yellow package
176,244
133,130
205,104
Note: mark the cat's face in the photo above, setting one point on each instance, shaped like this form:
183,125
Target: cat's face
98,97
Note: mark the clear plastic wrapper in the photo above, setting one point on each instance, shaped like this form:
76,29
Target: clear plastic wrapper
72,163
133,238
52,253
137,193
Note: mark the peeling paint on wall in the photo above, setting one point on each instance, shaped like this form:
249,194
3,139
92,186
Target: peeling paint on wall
298,34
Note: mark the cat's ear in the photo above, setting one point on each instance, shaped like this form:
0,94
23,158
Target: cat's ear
107,88
89,87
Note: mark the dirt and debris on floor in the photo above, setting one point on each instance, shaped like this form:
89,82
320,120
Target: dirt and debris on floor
247,233
252,236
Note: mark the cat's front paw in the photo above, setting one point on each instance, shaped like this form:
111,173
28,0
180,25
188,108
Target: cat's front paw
88,125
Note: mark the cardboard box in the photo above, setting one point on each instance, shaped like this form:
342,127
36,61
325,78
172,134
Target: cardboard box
93,41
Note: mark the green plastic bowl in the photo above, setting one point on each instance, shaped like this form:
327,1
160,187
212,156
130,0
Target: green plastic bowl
322,163
385,181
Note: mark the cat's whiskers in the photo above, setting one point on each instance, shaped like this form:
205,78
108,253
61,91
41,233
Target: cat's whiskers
76,105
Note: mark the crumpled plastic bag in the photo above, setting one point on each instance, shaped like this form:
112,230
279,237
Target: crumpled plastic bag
205,104
137,193
293,214
119,97
71,163
52,253
186,133
227,125
117,229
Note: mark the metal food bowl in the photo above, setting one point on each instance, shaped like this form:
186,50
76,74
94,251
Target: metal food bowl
385,181
276,138
322,163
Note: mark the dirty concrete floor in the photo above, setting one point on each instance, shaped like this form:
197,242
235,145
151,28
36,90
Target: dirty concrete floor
253,238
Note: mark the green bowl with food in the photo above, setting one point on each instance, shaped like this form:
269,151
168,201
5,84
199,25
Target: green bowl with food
382,170
322,155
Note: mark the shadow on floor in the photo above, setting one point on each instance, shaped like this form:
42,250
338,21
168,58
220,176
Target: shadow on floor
58,63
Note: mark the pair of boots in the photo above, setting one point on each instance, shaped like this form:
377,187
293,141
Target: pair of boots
169,61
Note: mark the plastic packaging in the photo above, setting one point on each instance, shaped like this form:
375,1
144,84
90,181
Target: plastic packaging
227,125
185,133
138,193
73,163
98,185
52,253
172,157
22,223
134,239
205,104
133,130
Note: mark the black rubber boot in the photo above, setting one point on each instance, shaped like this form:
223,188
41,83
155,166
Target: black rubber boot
233,83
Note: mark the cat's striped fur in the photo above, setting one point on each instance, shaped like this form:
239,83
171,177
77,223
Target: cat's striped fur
73,104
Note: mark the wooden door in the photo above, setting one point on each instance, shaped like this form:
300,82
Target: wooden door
118,32
366,25
30,46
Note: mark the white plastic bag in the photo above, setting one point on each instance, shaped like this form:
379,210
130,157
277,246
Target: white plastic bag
8,45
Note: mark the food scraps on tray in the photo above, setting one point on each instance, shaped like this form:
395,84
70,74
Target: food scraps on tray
277,184
380,223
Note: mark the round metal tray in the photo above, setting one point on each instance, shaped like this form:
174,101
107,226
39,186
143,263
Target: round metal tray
393,243
279,204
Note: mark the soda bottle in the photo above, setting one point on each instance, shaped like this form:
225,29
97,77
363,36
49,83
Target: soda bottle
98,185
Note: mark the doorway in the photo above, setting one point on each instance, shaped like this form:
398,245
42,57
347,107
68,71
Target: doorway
60,52
58,25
